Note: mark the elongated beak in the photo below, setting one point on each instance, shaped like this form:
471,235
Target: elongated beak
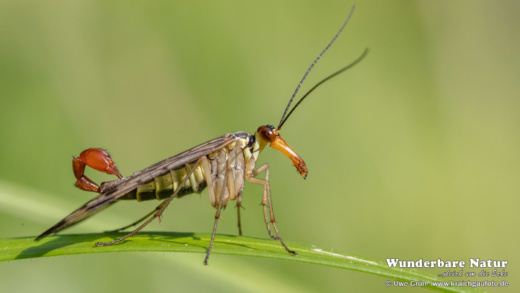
279,144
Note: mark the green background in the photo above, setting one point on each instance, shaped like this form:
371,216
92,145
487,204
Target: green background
412,154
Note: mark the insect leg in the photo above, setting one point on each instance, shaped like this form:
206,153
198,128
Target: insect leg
266,199
217,217
218,193
158,210
136,222
239,206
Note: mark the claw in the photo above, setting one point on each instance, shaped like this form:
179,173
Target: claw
100,160
97,159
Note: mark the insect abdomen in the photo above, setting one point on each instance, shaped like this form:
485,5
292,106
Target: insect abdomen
163,186
226,168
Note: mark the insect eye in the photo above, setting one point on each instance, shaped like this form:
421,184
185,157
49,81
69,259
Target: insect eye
267,132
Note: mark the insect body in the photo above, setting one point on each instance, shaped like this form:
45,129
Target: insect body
221,165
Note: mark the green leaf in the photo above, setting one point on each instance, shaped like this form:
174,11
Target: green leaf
21,248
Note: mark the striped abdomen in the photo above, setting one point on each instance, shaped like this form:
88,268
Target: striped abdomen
226,174
163,186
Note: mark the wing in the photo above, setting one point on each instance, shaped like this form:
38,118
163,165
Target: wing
112,191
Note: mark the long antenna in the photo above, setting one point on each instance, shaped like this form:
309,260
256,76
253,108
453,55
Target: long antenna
313,63
321,82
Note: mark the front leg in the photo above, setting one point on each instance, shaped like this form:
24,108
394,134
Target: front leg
97,159
267,190
266,201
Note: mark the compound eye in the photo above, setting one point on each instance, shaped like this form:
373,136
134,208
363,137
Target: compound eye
267,132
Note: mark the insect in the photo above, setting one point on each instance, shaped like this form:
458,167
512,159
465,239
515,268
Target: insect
222,165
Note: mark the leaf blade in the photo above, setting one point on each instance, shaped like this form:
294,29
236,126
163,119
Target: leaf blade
23,248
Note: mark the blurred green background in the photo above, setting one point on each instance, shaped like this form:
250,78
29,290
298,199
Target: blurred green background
414,153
